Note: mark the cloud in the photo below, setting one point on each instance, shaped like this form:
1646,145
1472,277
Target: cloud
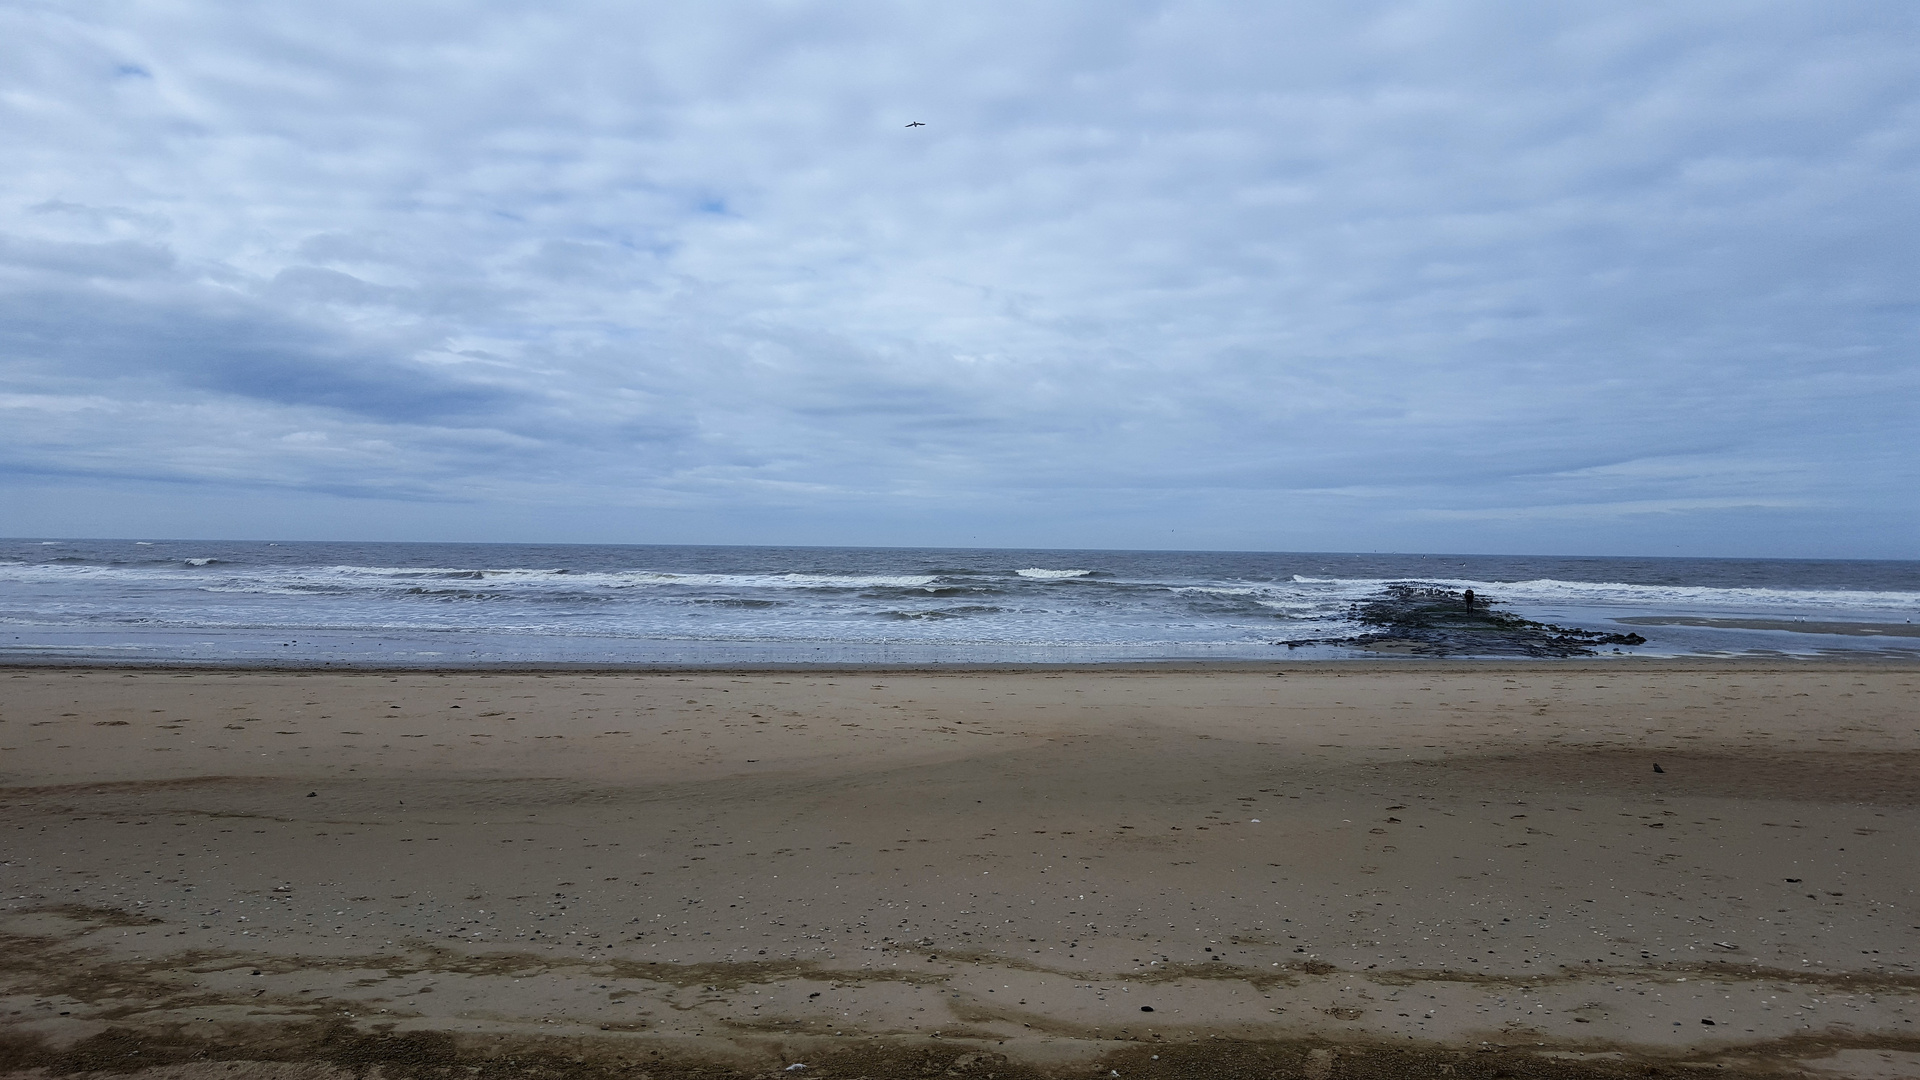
1466,262
1604,511
119,259
223,346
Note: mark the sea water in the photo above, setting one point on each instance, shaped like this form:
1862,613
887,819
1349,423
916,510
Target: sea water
442,605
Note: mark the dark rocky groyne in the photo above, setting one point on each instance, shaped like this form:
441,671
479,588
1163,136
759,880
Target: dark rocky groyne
1426,620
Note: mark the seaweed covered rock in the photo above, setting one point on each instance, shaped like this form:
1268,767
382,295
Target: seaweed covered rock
1426,620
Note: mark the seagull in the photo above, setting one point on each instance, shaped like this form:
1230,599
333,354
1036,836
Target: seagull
916,123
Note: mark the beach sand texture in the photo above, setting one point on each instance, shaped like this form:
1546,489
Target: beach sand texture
1322,870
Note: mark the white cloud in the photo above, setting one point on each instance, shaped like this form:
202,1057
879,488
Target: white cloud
1613,510
1187,261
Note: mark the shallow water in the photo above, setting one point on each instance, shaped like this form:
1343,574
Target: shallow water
462,604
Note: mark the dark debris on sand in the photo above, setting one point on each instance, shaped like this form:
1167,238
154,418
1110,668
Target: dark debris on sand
337,1051
1425,620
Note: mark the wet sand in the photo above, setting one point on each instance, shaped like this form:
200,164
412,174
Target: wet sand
1313,870
1792,626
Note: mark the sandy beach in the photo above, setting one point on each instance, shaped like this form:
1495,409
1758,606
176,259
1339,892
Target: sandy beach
1359,869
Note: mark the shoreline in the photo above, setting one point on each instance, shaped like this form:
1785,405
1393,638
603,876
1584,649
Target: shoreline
1380,661
1313,868
1845,628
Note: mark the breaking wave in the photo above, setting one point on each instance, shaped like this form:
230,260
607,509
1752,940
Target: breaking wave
616,604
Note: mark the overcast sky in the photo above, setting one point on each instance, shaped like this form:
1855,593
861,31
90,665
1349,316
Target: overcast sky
1614,277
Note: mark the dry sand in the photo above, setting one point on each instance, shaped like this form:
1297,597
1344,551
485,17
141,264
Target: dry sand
1312,870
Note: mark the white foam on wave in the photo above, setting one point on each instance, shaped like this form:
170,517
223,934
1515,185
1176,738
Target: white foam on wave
793,581
1300,592
585,580
280,580
1618,593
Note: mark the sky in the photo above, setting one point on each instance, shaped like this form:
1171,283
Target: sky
1578,278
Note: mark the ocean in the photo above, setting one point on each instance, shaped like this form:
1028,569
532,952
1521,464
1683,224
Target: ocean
467,605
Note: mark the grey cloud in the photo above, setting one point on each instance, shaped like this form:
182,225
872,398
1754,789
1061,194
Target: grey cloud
315,283
230,349
104,216
113,259
1353,265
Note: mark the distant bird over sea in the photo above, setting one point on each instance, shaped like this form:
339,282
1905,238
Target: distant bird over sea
916,123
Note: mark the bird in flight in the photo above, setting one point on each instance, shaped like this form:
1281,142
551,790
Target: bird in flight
916,123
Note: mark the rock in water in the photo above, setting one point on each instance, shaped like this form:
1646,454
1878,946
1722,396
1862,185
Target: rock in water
1426,620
